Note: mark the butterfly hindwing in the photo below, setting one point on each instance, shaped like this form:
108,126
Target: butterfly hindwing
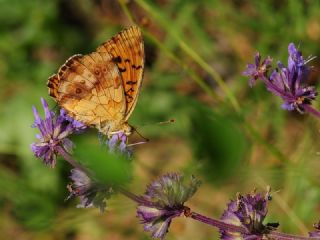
89,88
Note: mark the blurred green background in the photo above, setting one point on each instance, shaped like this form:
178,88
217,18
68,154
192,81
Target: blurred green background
230,136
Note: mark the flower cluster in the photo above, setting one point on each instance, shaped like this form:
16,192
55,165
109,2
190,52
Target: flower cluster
90,192
54,131
286,82
163,201
247,211
53,141
118,143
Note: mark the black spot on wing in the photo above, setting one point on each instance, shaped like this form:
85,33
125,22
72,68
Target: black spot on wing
136,67
122,69
117,59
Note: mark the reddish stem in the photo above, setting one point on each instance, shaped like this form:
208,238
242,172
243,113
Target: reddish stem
218,223
131,195
311,110
70,160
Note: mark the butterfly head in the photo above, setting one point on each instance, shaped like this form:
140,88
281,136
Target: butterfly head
127,129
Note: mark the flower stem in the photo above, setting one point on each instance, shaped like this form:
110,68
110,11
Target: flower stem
70,160
311,110
131,195
217,223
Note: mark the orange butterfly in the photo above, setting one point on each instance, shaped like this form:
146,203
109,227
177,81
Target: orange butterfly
101,89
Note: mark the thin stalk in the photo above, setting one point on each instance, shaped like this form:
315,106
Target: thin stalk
131,195
70,160
217,223
311,110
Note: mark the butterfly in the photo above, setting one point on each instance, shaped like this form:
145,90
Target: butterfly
101,89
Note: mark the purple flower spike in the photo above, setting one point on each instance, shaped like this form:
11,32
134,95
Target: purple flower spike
287,82
316,233
91,193
257,70
283,83
52,139
249,212
163,201
77,126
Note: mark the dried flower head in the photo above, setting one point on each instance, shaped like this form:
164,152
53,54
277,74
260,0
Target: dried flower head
249,212
163,201
90,192
54,130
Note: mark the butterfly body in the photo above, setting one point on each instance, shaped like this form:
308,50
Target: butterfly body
100,89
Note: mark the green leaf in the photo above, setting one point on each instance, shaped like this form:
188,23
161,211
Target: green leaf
107,167
218,142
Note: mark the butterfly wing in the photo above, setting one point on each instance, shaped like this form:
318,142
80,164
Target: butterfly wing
90,89
127,51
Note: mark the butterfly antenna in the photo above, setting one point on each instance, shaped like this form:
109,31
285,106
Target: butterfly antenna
138,143
160,123
144,138
168,121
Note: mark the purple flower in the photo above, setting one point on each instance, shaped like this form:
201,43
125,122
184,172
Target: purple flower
316,233
78,126
118,142
163,201
287,82
286,85
258,69
52,140
249,212
91,193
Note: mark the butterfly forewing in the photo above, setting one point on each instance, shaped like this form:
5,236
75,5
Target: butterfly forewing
127,51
